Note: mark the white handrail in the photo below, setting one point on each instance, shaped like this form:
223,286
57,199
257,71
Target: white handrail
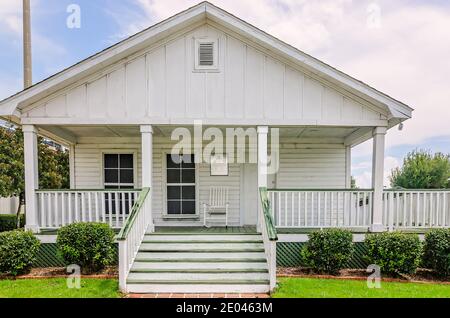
132,234
57,208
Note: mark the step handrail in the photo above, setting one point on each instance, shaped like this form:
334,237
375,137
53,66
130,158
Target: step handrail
132,234
268,218
269,235
123,234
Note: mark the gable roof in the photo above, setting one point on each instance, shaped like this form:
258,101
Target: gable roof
11,106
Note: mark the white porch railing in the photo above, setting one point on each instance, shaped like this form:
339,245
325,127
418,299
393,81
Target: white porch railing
132,234
294,208
57,208
416,209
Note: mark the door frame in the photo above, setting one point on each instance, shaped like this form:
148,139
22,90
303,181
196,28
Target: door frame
164,189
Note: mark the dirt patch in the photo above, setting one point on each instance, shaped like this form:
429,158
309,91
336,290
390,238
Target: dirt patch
422,275
61,272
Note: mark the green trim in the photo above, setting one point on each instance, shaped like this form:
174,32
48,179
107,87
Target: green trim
201,271
198,282
226,250
122,236
416,190
282,230
320,190
270,224
201,260
201,242
87,190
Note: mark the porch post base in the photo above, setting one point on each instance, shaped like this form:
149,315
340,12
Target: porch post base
33,228
377,228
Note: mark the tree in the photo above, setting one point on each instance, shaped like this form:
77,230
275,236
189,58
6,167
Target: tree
422,170
53,165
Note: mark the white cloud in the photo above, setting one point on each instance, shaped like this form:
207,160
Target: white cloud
11,16
362,172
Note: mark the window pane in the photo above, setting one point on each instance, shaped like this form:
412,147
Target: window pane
173,161
111,161
111,187
188,193
173,193
173,176
173,207
126,161
126,176
188,175
111,175
188,207
188,161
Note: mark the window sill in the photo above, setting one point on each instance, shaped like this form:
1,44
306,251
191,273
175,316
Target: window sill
181,217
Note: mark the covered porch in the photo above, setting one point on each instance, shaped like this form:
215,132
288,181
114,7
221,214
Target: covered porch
310,188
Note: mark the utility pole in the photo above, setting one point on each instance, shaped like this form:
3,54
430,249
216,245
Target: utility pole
27,68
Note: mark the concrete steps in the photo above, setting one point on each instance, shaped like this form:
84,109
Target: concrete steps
200,263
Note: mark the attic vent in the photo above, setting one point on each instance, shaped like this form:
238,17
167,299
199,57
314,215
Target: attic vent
206,54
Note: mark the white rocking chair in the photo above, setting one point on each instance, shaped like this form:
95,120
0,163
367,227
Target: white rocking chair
217,206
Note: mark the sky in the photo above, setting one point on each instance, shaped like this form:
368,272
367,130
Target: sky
400,47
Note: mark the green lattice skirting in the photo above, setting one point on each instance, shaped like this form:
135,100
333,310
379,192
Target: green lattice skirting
288,255
48,256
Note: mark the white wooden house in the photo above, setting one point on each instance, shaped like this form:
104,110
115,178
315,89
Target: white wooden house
117,110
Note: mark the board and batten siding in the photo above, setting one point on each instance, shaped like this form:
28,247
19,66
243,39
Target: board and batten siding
301,166
251,86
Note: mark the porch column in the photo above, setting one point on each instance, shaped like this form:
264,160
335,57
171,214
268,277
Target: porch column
147,155
379,134
262,168
31,176
147,165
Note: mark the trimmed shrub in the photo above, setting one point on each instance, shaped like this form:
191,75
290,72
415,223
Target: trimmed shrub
18,250
9,222
395,253
328,251
89,245
437,251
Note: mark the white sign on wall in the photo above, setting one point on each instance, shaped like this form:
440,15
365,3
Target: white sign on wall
219,165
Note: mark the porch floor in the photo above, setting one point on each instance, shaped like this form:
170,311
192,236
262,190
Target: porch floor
206,230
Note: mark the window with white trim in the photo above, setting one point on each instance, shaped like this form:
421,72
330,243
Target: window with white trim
118,174
118,171
206,54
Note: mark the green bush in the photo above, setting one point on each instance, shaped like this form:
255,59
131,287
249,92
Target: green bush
89,245
9,222
395,253
18,250
328,251
437,251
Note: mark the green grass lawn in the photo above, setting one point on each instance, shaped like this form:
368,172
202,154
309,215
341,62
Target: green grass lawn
57,288
336,288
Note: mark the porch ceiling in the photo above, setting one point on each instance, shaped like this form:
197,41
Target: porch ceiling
71,134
